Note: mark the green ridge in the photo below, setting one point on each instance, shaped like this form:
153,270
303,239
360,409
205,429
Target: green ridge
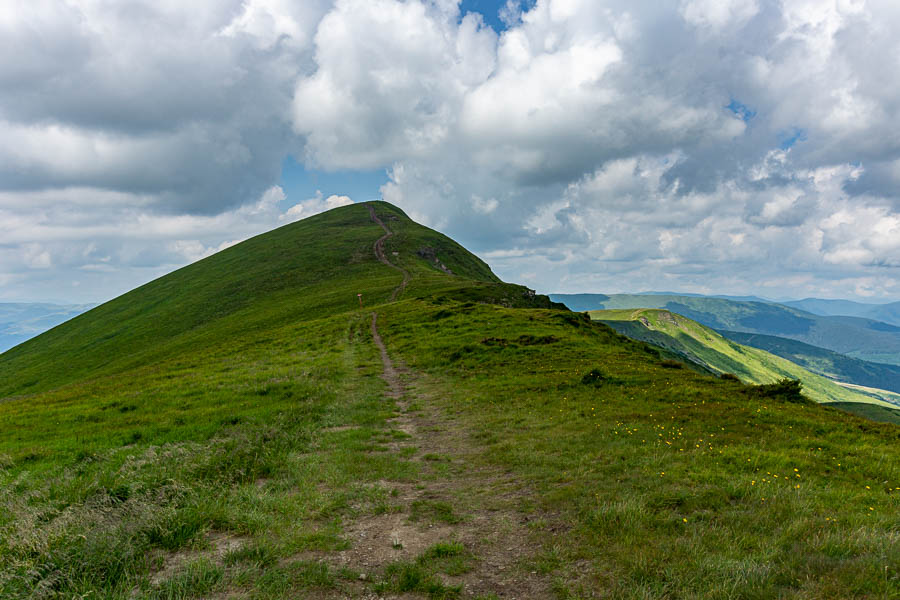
710,349
304,270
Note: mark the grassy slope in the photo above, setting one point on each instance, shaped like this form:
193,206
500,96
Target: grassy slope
299,271
870,411
209,411
824,362
701,344
253,296
857,337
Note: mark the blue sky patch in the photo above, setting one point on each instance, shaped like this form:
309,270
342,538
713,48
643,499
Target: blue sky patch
301,184
744,112
490,10
789,137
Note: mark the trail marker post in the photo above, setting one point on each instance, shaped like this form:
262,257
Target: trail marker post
359,297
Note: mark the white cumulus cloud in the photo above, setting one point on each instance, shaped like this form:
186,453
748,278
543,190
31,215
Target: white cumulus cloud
608,145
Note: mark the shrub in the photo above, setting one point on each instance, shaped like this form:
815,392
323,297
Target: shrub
786,390
594,377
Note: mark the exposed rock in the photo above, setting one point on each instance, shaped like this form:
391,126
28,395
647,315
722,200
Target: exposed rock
430,255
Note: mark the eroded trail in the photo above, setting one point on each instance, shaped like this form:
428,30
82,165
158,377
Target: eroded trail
457,500
390,375
379,253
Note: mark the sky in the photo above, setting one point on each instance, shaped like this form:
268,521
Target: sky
708,146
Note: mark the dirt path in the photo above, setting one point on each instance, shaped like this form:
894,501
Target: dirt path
457,497
379,253
390,375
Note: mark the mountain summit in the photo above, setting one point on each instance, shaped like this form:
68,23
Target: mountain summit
308,269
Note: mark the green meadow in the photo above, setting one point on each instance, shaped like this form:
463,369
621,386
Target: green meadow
225,432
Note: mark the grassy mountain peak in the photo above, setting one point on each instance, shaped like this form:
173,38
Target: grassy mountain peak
313,267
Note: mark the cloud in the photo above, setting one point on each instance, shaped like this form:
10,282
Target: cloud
388,81
718,14
181,102
591,145
315,206
98,243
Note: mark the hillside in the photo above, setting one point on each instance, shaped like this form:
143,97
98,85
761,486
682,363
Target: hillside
241,428
249,287
856,337
824,362
707,347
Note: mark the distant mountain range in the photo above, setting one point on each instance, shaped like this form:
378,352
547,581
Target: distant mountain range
20,321
887,313
854,336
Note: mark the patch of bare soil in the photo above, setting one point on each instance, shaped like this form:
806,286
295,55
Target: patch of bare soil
217,545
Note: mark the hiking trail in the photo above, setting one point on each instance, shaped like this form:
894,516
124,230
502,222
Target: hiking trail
457,497
379,253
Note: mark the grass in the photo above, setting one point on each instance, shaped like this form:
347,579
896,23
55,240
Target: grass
434,511
870,411
449,558
240,399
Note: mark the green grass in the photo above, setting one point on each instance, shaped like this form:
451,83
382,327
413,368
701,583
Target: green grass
870,411
239,398
706,347
449,558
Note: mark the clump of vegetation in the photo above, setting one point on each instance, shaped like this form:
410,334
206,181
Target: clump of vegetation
729,377
669,363
412,577
786,390
450,558
435,511
594,377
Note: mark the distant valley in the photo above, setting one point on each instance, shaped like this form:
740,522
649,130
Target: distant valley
708,348
824,362
857,337
887,313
